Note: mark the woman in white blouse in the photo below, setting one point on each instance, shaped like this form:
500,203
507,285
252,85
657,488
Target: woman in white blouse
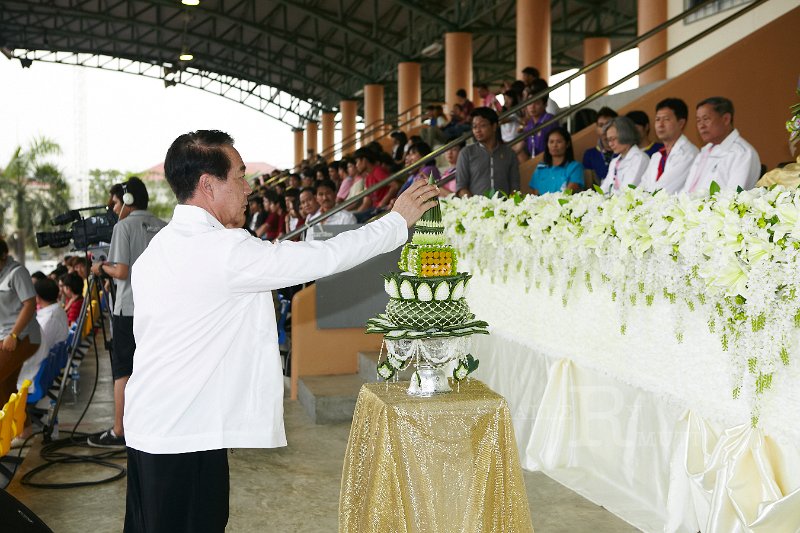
629,162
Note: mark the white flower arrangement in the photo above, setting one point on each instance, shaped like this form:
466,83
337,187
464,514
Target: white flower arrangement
732,256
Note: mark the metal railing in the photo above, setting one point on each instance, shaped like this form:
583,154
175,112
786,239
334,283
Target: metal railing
591,98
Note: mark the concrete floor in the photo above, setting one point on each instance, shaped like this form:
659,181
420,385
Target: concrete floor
292,489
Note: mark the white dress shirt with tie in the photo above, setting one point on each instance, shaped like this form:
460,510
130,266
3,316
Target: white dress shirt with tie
676,168
207,373
732,163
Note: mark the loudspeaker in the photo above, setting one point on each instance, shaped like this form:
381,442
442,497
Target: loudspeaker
14,516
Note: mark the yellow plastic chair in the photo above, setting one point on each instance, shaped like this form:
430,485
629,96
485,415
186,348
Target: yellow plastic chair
19,409
6,421
93,314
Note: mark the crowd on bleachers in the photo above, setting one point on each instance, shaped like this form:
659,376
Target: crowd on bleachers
628,152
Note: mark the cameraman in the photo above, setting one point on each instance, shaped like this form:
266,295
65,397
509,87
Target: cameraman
132,234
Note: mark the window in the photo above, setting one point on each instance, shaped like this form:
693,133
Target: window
717,6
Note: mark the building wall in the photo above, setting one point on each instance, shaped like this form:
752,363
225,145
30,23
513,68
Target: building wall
713,44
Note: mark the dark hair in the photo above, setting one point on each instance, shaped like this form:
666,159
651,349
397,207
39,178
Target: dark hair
720,104
138,190
272,197
538,86
3,247
423,149
606,111
38,275
518,86
194,154
482,86
47,289
117,190
511,99
291,193
365,153
312,190
462,93
639,118
80,260
484,112
677,105
308,172
334,165
255,199
73,282
399,136
533,71
326,183
376,147
569,155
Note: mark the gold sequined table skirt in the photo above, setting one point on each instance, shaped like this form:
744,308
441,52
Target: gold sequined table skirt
447,463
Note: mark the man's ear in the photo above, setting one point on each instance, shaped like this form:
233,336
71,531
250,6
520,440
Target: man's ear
205,186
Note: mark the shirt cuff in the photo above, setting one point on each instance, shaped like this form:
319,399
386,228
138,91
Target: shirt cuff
399,222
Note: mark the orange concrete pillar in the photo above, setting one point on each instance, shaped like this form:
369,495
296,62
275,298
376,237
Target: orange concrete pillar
311,137
327,135
457,65
373,111
533,36
651,13
298,146
409,93
348,110
594,48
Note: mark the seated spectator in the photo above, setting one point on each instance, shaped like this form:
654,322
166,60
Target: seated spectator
321,172
399,141
488,99
727,158
308,206
629,161
53,323
256,214
293,182
488,165
537,116
72,287
596,160
377,201
308,178
357,187
642,123
293,219
510,126
333,173
559,171
326,199
345,181
449,187
670,166
416,152
459,124
466,104
274,225
529,75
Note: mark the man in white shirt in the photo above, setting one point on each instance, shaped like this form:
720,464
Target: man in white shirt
326,198
53,322
669,166
208,374
727,158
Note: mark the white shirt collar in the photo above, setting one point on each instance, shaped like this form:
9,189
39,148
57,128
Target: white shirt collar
191,214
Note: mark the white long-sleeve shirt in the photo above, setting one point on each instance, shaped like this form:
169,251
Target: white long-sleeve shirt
732,163
53,322
624,171
207,373
676,168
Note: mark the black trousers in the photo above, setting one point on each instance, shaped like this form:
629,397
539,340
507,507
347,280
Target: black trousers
177,493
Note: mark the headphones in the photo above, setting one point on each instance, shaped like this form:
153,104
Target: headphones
127,198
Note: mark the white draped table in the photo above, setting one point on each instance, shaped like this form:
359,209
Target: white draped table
639,423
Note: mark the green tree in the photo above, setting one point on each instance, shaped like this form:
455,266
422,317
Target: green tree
101,182
32,191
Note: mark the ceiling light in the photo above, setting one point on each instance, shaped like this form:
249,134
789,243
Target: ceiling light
185,55
431,50
190,2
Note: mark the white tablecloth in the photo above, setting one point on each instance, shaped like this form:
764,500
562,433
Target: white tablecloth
639,423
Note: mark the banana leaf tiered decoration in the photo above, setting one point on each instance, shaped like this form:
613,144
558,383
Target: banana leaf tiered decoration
427,319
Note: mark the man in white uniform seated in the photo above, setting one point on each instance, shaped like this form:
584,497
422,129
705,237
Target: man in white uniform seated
53,321
669,166
326,198
208,373
727,158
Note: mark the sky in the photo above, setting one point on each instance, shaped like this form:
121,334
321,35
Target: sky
126,121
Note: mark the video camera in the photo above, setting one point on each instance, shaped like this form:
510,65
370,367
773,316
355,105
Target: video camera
85,231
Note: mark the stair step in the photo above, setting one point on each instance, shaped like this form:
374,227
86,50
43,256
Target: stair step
368,364
329,399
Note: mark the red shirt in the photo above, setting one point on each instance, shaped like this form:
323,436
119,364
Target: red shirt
275,226
377,175
74,310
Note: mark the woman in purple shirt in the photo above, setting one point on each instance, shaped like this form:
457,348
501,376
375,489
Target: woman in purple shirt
417,151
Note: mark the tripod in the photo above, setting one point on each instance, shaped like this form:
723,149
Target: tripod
87,313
